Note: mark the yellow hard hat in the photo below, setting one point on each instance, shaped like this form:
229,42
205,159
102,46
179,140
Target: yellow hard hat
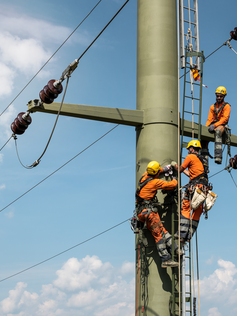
221,90
194,143
153,167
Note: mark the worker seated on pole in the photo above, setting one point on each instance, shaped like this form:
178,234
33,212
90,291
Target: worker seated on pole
218,117
198,181
147,211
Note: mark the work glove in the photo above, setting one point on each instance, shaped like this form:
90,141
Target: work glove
166,168
211,128
173,163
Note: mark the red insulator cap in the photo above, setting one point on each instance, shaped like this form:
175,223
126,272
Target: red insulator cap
44,98
57,90
20,126
24,121
49,94
16,130
233,163
233,34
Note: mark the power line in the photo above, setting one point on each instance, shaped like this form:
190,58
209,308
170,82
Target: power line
62,252
211,53
60,167
103,29
52,56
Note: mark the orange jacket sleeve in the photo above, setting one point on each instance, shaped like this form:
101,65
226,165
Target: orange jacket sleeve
166,185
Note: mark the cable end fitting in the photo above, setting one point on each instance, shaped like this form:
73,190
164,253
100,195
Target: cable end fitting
34,164
68,71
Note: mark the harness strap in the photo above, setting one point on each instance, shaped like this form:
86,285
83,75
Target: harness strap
217,111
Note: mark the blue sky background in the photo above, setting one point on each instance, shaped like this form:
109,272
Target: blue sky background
96,190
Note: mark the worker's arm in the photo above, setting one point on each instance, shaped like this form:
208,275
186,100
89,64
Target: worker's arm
210,116
181,169
166,185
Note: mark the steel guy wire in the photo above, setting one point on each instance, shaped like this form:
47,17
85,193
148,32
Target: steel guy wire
233,179
51,56
60,167
103,29
7,141
62,252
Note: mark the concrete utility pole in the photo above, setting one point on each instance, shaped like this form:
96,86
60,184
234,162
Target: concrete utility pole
157,139
156,122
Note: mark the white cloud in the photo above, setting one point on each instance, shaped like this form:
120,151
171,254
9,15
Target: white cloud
99,289
128,268
209,261
220,289
221,282
9,214
213,312
5,123
10,303
26,43
3,186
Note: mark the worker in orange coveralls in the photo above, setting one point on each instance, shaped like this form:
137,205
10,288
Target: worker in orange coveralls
146,202
197,173
218,117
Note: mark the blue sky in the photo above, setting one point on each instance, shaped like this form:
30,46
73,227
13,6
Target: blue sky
96,190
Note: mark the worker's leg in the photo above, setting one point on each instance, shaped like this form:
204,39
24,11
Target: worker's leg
184,219
218,143
204,151
195,221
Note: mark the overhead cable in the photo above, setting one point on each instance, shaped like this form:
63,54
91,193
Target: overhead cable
60,167
62,252
52,56
225,43
7,141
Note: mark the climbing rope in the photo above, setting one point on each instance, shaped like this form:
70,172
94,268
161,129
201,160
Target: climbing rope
198,274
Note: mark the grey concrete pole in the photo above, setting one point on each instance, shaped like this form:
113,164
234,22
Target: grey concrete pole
157,96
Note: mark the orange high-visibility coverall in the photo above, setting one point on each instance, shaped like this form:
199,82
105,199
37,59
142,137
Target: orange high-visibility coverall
195,168
153,221
221,118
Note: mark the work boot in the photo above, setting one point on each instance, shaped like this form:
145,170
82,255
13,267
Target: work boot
169,263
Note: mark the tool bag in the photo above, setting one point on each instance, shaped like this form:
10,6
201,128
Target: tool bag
198,198
210,200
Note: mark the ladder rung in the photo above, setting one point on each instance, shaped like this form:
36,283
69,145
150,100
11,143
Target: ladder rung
186,96
197,84
190,9
193,113
190,36
190,22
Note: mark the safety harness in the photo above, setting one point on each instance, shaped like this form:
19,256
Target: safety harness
141,203
201,178
217,111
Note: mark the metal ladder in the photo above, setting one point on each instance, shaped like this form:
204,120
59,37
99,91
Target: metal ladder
191,58
189,28
192,100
